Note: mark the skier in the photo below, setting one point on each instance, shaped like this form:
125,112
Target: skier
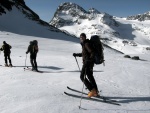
88,64
6,48
33,49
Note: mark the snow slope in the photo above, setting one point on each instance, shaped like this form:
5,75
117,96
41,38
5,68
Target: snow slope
135,34
22,25
125,80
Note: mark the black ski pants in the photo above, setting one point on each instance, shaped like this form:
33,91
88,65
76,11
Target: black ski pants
89,79
7,55
33,61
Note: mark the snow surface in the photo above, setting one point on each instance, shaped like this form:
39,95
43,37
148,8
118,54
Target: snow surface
122,79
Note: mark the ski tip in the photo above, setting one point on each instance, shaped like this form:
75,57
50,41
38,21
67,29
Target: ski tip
65,93
68,87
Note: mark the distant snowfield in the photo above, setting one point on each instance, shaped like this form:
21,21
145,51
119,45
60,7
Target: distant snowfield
129,37
122,79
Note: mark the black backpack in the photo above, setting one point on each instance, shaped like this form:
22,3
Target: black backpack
98,49
35,48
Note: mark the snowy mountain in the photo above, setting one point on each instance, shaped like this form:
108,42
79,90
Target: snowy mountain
71,13
140,17
18,18
127,36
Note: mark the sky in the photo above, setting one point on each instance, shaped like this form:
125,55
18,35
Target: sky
120,8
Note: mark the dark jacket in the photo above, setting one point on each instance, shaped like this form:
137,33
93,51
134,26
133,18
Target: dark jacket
33,49
6,48
87,52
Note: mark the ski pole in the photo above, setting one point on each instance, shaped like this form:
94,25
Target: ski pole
25,61
82,91
77,63
83,84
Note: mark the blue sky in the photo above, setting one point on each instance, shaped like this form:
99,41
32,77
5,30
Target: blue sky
121,8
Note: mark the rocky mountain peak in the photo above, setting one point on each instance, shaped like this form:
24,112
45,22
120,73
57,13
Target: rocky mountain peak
93,10
68,6
70,13
140,17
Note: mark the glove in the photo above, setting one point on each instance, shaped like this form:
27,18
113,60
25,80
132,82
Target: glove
26,52
74,54
77,54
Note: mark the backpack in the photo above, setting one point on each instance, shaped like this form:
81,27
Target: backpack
98,49
35,48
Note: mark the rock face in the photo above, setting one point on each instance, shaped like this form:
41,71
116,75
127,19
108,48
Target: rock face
140,17
70,13
7,5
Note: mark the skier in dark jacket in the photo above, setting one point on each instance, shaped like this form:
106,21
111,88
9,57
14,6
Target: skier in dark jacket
6,48
33,49
88,64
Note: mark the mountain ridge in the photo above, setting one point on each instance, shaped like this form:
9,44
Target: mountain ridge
140,17
113,31
74,10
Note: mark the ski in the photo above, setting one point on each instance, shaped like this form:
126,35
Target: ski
101,97
29,69
92,99
7,66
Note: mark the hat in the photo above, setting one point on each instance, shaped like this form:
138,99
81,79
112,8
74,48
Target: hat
83,34
4,42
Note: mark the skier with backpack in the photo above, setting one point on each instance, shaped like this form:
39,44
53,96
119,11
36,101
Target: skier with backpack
33,49
6,48
89,58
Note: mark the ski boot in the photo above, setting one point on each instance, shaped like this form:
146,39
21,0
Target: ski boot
33,68
6,65
36,69
10,65
93,93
